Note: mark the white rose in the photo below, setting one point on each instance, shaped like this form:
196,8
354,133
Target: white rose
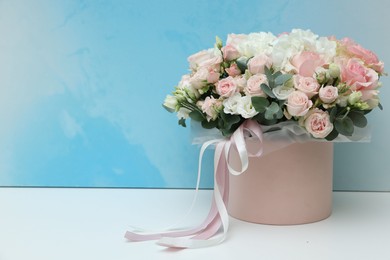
328,94
318,124
230,104
282,92
298,104
245,108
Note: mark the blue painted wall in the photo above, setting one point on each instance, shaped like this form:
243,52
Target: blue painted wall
82,82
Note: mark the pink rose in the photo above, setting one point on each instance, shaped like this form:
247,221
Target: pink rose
230,52
298,103
233,70
226,87
240,83
355,74
257,63
318,124
366,55
328,94
213,76
307,85
211,107
252,87
307,62
210,58
202,77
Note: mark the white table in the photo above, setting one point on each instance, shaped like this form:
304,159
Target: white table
72,224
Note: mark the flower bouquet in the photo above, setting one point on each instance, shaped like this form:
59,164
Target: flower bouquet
325,85
270,97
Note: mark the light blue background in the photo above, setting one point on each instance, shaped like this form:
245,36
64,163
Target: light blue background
82,82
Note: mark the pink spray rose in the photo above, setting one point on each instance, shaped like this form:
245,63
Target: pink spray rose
318,123
211,107
355,74
298,104
307,62
203,76
328,94
230,52
257,63
233,70
226,87
307,85
252,87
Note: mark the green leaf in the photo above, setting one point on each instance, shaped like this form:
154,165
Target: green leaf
344,125
281,79
272,111
209,124
380,106
358,118
182,122
268,73
267,90
332,113
260,104
229,120
197,116
332,135
242,64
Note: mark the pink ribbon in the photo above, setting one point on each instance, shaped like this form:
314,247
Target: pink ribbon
214,228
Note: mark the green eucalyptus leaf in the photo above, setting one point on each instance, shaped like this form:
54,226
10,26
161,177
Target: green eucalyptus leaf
332,135
268,73
267,90
229,120
272,111
344,125
197,116
332,113
358,118
260,104
274,107
277,74
209,124
242,64
279,114
182,122
281,79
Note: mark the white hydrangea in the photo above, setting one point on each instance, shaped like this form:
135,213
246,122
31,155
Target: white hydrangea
287,46
326,48
252,44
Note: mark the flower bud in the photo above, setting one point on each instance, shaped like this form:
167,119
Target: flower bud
334,70
354,97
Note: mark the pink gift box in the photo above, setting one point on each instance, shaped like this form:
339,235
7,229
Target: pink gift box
292,185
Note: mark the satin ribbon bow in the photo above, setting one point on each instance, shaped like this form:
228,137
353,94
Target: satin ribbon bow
207,233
